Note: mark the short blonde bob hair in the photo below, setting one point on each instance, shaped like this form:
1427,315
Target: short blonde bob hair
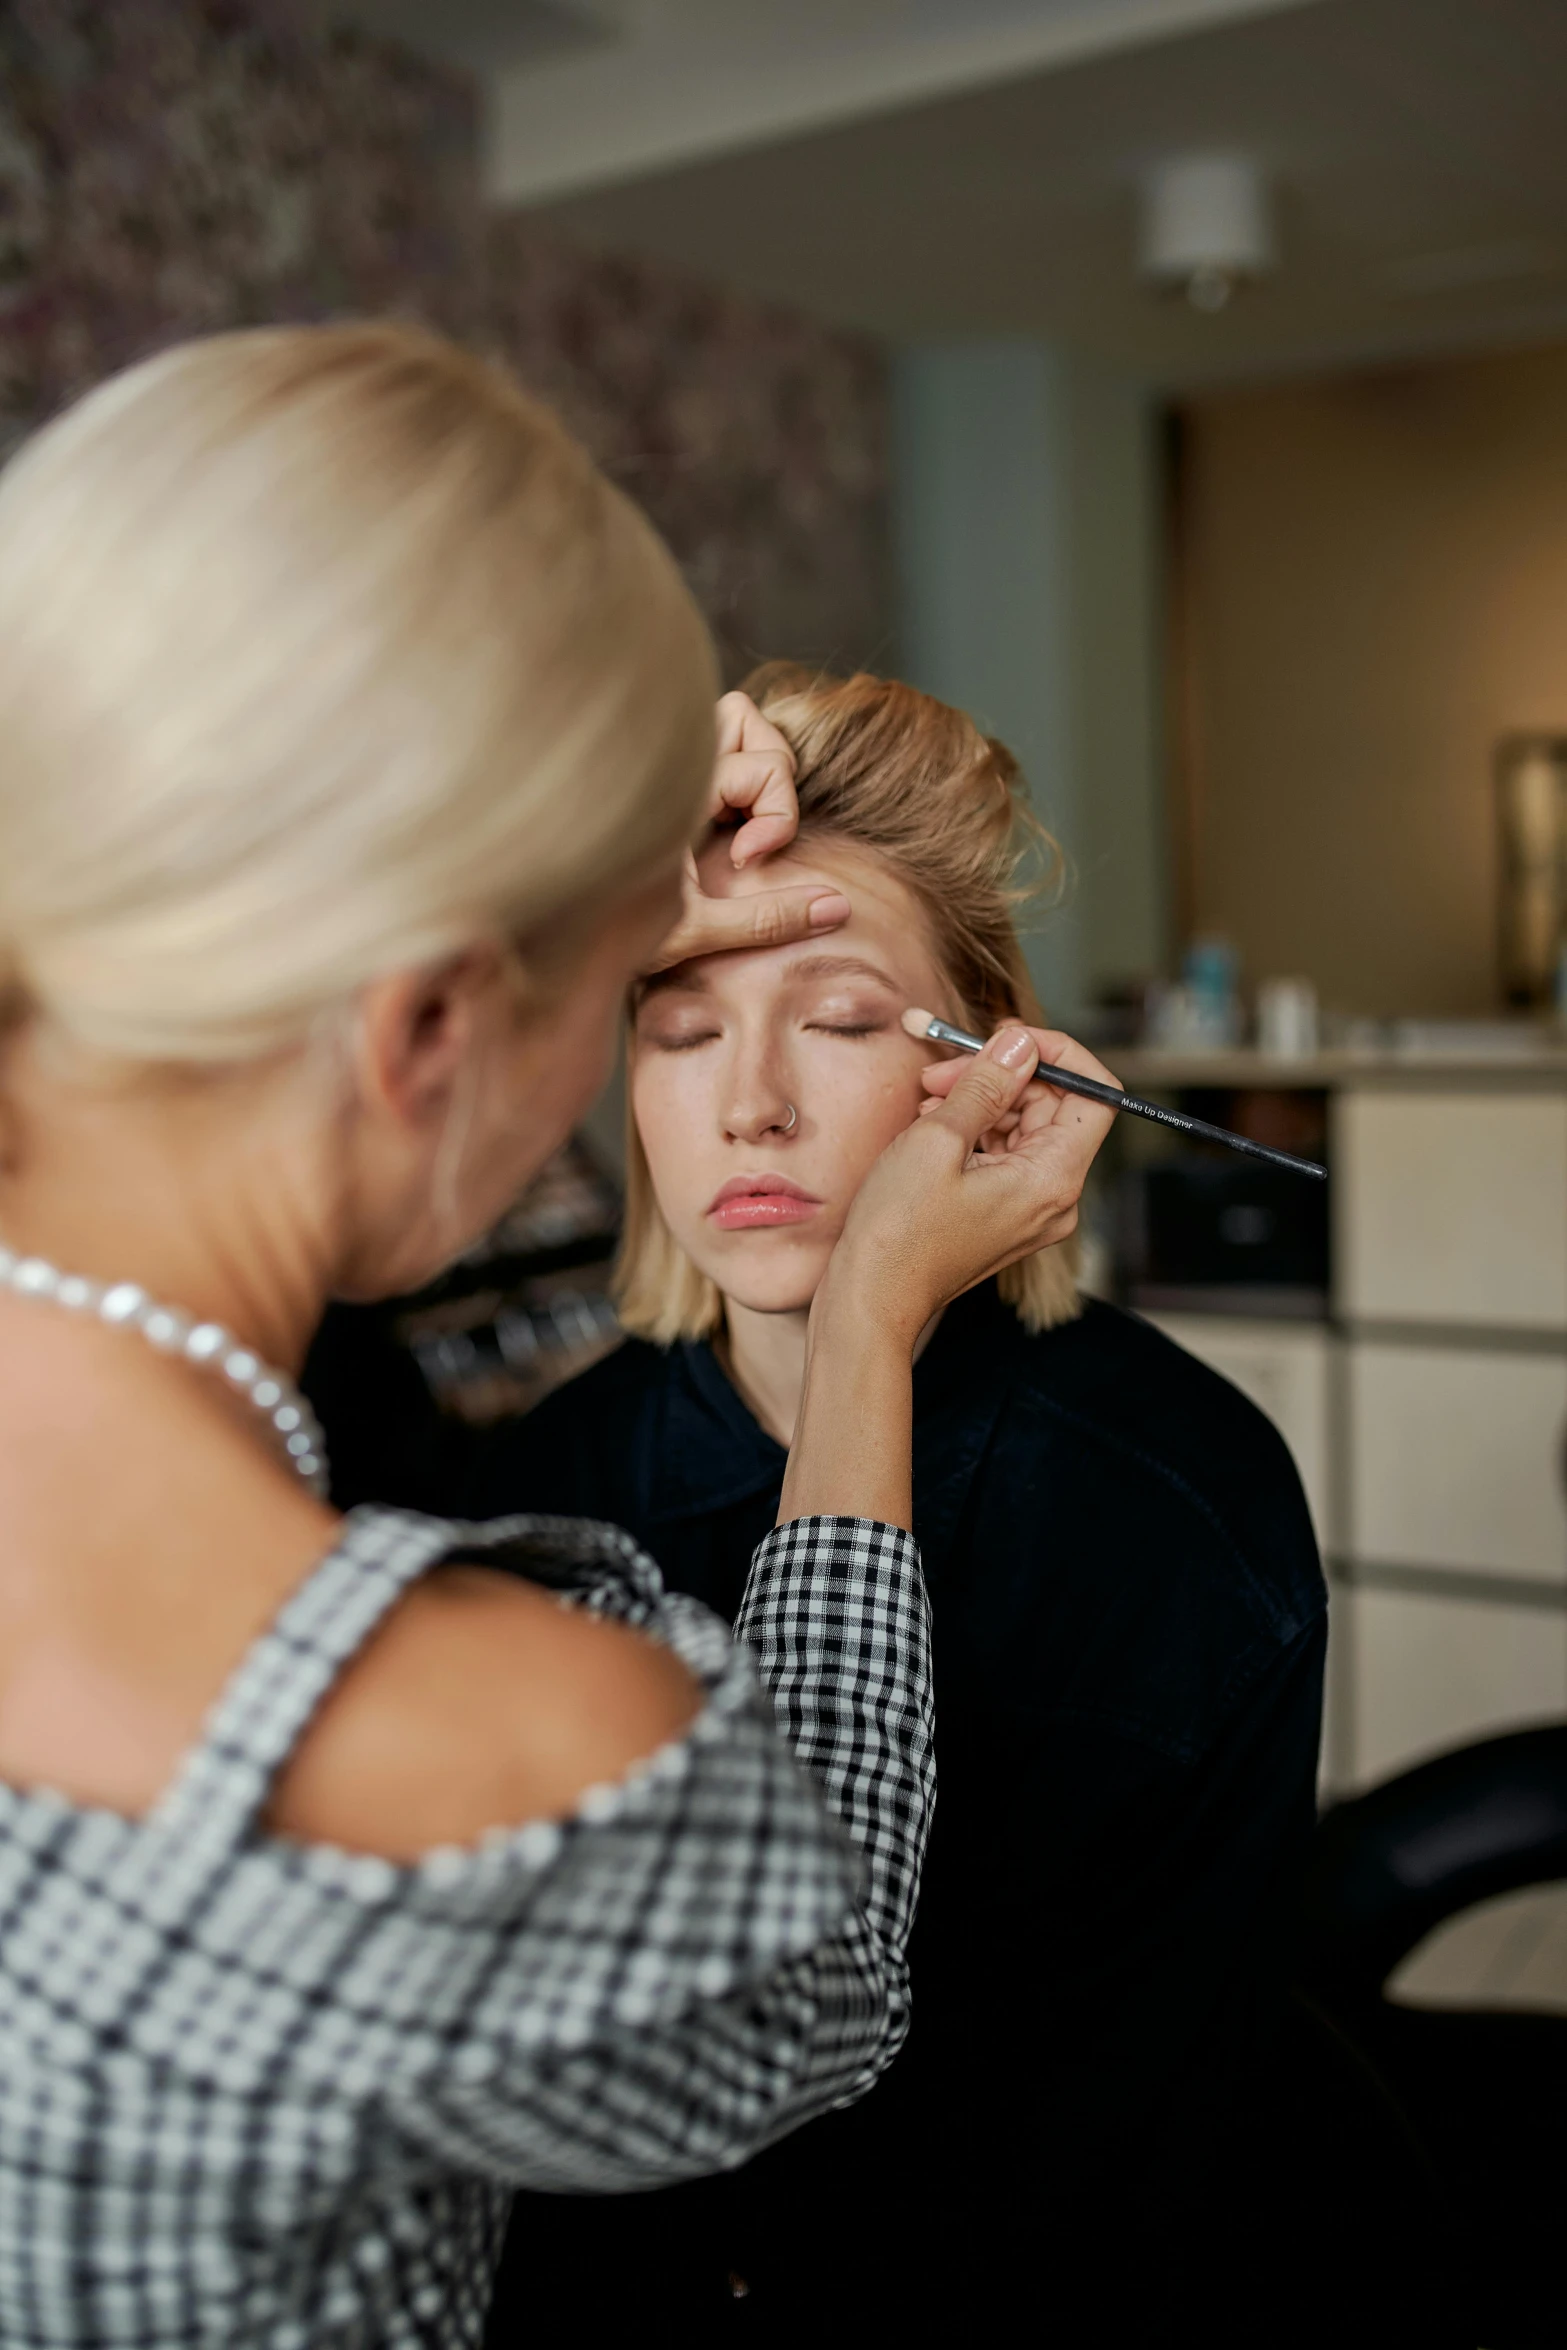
324,652
901,776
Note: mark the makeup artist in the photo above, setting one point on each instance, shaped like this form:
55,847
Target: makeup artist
352,733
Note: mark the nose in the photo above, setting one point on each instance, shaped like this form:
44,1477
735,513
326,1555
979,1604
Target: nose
758,1109
755,1122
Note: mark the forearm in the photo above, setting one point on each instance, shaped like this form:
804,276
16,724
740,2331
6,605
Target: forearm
836,1616
769,1977
853,1442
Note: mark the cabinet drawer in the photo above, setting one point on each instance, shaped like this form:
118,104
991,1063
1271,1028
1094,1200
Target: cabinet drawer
1414,1674
1286,1370
1455,1458
1451,1207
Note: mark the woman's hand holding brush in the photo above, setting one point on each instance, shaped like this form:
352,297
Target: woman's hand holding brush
936,1214
1054,1047
1102,1088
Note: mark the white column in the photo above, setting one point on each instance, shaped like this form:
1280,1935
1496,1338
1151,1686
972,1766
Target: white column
1025,519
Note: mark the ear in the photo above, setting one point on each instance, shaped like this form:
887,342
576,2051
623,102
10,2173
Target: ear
418,1029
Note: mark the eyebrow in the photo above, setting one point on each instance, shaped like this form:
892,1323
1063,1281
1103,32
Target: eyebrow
840,967
686,978
691,979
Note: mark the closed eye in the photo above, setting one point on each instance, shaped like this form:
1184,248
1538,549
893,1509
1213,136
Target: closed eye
849,1027
686,1042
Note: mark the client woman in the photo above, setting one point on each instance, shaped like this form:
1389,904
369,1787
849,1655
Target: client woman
351,733
1129,1616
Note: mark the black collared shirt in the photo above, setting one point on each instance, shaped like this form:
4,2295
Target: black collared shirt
1129,1634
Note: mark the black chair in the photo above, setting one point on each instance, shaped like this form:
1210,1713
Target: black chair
1435,2141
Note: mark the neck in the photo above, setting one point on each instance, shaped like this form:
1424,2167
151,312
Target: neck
764,1355
206,1191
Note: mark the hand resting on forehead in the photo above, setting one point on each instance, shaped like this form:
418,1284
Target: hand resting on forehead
754,808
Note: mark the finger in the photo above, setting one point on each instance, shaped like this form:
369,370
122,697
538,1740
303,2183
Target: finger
754,772
741,777
1004,1127
1052,1122
761,783
1056,1049
1042,1105
741,727
939,1077
986,1088
721,926
993,1142
1046,1109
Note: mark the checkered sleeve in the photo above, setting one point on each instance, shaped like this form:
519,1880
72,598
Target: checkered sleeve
836,1614
712,1951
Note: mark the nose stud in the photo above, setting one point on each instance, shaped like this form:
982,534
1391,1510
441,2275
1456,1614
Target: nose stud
794,1119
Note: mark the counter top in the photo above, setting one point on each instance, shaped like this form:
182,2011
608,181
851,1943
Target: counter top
1145,1069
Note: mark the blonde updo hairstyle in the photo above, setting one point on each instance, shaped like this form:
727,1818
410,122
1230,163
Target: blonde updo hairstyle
914,783
324,652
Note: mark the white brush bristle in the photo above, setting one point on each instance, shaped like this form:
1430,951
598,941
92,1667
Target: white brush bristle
917,1022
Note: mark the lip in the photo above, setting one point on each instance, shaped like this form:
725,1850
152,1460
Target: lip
758,1203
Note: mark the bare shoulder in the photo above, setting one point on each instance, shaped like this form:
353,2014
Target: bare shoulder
482,1702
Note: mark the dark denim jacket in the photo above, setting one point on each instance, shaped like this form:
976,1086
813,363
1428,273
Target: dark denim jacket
1129,1632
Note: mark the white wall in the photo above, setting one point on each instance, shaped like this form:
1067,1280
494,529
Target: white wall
1026,520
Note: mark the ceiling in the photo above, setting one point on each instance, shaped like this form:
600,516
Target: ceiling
582,93
1415,146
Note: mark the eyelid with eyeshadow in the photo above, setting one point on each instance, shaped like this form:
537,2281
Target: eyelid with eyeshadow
677,1040
685,1040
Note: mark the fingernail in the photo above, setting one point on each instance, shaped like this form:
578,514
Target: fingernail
826,913
1013,1047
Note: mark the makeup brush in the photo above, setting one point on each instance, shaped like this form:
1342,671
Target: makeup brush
925,1026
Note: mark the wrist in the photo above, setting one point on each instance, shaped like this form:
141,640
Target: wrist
850,1456
865,1308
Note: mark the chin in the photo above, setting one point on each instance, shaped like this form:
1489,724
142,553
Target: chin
780,1289
772,1301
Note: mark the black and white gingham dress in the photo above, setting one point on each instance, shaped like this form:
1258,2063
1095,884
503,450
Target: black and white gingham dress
258,2093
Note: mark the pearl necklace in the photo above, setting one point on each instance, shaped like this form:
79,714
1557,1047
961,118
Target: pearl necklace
207,1344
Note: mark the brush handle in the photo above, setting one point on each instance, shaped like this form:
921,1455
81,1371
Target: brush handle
1111,1096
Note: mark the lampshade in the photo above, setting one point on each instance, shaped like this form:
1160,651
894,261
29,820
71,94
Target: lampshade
1206,226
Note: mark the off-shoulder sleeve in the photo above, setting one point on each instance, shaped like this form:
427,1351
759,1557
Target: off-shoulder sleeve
711,1950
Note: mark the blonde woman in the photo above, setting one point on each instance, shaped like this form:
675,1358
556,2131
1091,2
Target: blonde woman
1128,1612
352,733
